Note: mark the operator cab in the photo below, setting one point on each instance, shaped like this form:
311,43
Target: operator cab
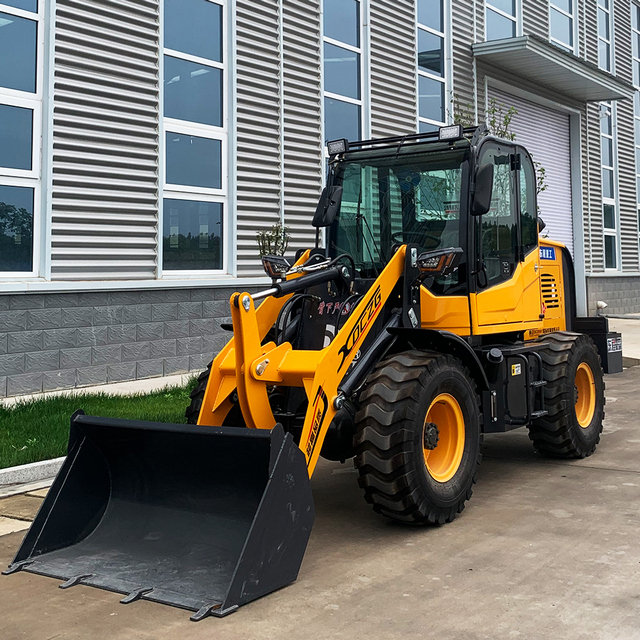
425,189
391,199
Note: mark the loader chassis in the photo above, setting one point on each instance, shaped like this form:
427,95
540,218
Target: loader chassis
435,314
492,312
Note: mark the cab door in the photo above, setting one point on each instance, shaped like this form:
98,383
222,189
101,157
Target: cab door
530,253
499,298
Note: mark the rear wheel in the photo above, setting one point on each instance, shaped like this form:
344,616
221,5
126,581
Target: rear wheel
574,397
418,437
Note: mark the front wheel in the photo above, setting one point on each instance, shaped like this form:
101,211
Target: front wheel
418,437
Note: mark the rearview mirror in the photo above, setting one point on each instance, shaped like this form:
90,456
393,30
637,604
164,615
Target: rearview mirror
328,207
484,190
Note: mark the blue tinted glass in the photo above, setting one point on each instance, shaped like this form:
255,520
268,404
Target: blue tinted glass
192,92
195,27
561,27
508,6
499,27
610,258
16,228
430,14
16,137
431,99
341,71
609,216
426,127
607,184
607,152
342,21
565,5
17,53
192,235
341,120
430,52
27,5
194,161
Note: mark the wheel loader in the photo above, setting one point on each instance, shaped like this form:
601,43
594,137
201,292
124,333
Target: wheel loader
429,313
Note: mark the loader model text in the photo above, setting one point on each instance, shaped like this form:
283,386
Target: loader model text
320,411
366,318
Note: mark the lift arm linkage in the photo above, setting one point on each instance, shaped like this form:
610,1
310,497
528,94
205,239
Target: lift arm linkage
249,367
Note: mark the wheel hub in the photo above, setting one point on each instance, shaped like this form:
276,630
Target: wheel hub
431,436
444,437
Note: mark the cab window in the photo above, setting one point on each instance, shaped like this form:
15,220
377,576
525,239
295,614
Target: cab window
498,227
528,207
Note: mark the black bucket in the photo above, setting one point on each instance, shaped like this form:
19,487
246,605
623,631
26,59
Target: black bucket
204,518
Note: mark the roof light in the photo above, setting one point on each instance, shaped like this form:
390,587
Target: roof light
449,134
338,146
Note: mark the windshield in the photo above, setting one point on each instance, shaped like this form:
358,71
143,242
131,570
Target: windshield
388,201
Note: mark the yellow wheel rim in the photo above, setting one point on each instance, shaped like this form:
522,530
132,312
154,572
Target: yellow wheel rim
443,461
585,395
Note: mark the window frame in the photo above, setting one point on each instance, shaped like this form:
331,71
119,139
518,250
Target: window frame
32,178
445,80
574,26
516,18
189,193
601,38
361,102
613,201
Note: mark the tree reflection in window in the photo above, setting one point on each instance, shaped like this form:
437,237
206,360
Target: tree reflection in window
16,229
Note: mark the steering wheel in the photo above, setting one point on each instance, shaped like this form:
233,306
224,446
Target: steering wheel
415,236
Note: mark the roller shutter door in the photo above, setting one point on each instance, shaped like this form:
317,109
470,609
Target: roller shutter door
545,133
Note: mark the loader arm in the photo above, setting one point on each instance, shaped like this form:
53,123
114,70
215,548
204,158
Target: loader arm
250,367
216,403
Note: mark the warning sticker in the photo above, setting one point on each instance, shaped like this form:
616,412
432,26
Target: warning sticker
516,369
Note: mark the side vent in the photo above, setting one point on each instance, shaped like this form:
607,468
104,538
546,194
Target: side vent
550,291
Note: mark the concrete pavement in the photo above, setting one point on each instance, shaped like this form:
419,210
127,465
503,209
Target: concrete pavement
545,550
629,327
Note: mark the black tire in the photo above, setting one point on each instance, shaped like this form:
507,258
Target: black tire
197,396
389,439
559,433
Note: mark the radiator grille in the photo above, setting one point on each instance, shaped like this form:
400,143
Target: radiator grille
550,291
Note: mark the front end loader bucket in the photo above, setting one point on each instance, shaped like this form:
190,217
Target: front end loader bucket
203,518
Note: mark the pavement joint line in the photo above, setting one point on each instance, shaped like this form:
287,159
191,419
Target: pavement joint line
554,463
18,518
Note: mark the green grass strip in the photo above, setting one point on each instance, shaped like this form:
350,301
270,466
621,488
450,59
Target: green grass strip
39,430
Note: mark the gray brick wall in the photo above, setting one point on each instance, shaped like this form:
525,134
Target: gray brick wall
621,293
63,341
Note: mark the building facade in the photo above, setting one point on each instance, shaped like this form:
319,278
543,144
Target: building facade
144,144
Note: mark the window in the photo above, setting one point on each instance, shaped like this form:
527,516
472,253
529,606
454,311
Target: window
432,77
562,23
501,19
21,50
343,70
528,208
605,60
609,195
392,200
195,135
498,228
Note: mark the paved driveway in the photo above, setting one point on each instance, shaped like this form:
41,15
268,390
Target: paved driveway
544,550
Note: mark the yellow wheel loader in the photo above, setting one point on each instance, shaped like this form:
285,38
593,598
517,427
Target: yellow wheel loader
435,314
